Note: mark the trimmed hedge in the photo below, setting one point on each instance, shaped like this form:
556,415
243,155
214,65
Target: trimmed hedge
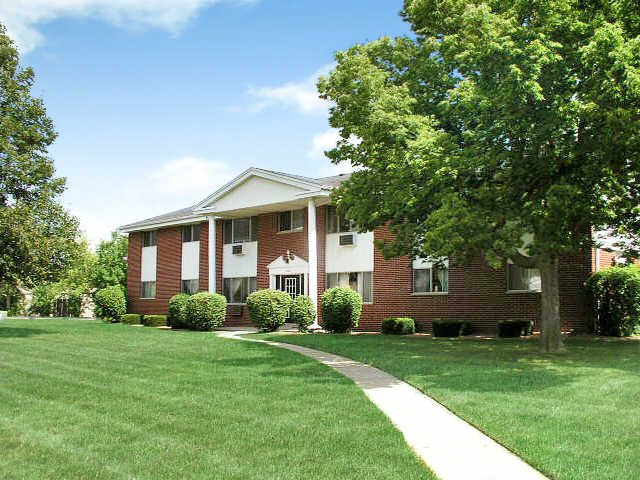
269,308
341,308
399,326
176,317
303,312
514,328
131,318
110,303
205,311
450,327
614,297
154,320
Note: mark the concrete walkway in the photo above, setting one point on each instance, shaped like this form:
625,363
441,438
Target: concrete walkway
453,449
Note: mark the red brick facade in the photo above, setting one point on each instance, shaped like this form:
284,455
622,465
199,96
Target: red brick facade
476,292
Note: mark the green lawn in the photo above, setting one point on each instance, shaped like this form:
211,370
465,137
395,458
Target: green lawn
574,416
85,399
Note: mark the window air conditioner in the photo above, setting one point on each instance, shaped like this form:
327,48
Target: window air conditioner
348,240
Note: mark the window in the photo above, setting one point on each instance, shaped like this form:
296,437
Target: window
236,290
191,233
240,230
291,221
337,224
190,286
150,239
148,290
361,282
523,279
431,280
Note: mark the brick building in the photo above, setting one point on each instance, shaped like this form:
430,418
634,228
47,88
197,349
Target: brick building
268,229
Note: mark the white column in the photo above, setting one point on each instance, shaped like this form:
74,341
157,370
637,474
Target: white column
313,256
212,254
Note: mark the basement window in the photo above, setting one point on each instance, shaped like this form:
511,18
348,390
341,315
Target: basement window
148,290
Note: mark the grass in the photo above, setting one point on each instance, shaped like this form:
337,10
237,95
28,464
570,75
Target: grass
574,416
86,399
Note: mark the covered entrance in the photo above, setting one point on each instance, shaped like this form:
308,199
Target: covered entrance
290,274
292,284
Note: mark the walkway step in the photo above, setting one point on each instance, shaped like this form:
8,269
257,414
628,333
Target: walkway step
452,448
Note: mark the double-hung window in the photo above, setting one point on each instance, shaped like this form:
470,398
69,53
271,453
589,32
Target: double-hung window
361,282
430,277
291,221
521,279
239,230
236,290
191,233
337,224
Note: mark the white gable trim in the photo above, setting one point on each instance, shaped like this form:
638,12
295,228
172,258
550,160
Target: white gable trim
295,265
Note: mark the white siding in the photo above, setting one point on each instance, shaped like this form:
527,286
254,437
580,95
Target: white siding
149,260
245,265
256,191
423,263
357,258
190,260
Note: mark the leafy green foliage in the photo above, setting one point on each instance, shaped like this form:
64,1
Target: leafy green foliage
614,295
154,320
131,318
303,312
205,311
177,315
399,326
57,299
110,262
341,308
111,303
269,308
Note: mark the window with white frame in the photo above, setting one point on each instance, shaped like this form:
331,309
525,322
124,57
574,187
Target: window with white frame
521,279
338,224
291,221
430,277
150,238
361,282
239,230
148,290
236,290
191,233
190,286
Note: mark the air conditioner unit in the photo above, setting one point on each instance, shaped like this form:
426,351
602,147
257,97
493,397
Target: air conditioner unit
237,249
348,240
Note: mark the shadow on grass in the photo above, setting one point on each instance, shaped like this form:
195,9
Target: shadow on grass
20,332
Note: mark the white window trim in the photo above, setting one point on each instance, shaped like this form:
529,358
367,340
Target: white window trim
424,294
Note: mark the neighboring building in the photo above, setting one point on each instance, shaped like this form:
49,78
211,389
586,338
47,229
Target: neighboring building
268,229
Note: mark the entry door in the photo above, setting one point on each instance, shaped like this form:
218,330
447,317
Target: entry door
292,284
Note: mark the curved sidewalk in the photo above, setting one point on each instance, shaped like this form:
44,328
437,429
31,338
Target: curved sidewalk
452,448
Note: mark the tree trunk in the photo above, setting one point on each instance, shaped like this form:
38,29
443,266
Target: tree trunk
8,302
551,338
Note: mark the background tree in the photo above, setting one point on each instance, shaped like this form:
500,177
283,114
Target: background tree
508,129
111,263
38,238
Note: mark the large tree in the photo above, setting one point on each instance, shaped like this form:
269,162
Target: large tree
111,263
508,129
38,237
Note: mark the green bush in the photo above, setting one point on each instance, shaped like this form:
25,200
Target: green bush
514,328
131,318
399,326
205,311
110,303
303,312
154,320
614,297
268,309
176,317
450,327
43,300
341,308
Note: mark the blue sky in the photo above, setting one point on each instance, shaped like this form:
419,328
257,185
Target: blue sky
159,102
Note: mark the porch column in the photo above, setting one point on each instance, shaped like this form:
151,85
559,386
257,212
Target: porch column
313,257
212,254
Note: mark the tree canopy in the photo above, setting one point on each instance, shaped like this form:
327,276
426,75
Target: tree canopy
111,263
508,129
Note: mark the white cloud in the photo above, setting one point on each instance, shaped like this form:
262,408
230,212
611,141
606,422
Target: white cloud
324,141
22,17
303,96
176,184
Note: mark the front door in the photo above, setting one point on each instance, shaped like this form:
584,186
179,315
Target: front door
292,284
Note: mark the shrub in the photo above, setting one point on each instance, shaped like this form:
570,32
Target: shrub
43,300
204,311
110,303
399,326
614,297
303,312
131,318
268,309
154,320
449,327
176,317
514,328
341,308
